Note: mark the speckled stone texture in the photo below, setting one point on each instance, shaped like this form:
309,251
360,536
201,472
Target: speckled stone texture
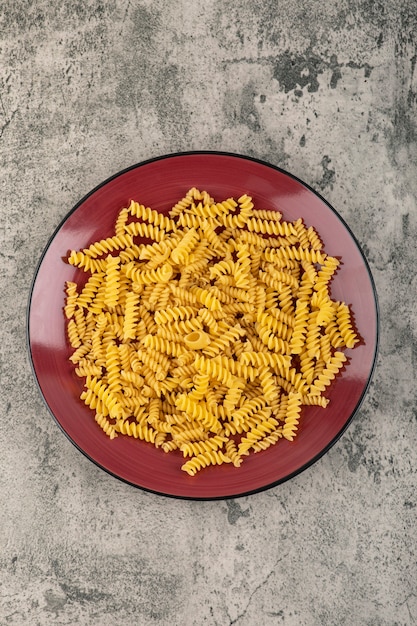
326,90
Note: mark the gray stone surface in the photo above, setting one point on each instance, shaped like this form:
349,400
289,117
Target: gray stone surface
327,90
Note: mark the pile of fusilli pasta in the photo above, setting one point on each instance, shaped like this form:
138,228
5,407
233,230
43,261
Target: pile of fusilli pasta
210,338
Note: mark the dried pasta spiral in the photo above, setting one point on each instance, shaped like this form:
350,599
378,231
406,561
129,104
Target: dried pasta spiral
329,373
182,251
221,268
151,216
201,385
171,348
89,290
101,391
160,274
221,342
292,415
272,359
138,431
193,448
104,246
255,434
270,227
344,322
71,298
300,328
207,298
198,462
171,314
294,253
86,262
141,229
198,411
105,425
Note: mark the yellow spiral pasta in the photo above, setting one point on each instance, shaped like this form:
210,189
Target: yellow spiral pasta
198,462
221,268
198,411
138,431
207,298
193,448
299,332
73,334
151,276
270,227
217,245
313,333
163,247
184,296
105,425
273,277
249,408
87,367
71,298
141,229
132,377
151,216
272,359
205,211
190,220
80,323
217,371
186,326
171,348
181,252
185,432
344,322
269,440
268,384
255,434
328,268
113,367
120,222
171,314
328,374
326,312
130,254
273,324
86,262
100,391
182,205
235,367
292,416
207,336
104,246
112,282
220,343
274,343
287,253
88,292
201,384
242,271
131,315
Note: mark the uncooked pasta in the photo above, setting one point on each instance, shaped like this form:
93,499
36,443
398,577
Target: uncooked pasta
207,340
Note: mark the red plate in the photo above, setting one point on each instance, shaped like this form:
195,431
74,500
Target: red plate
160,183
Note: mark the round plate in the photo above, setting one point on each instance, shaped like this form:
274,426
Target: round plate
160,183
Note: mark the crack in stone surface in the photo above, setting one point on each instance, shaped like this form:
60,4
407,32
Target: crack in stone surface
257,588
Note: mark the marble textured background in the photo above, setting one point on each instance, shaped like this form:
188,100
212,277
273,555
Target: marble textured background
327,91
